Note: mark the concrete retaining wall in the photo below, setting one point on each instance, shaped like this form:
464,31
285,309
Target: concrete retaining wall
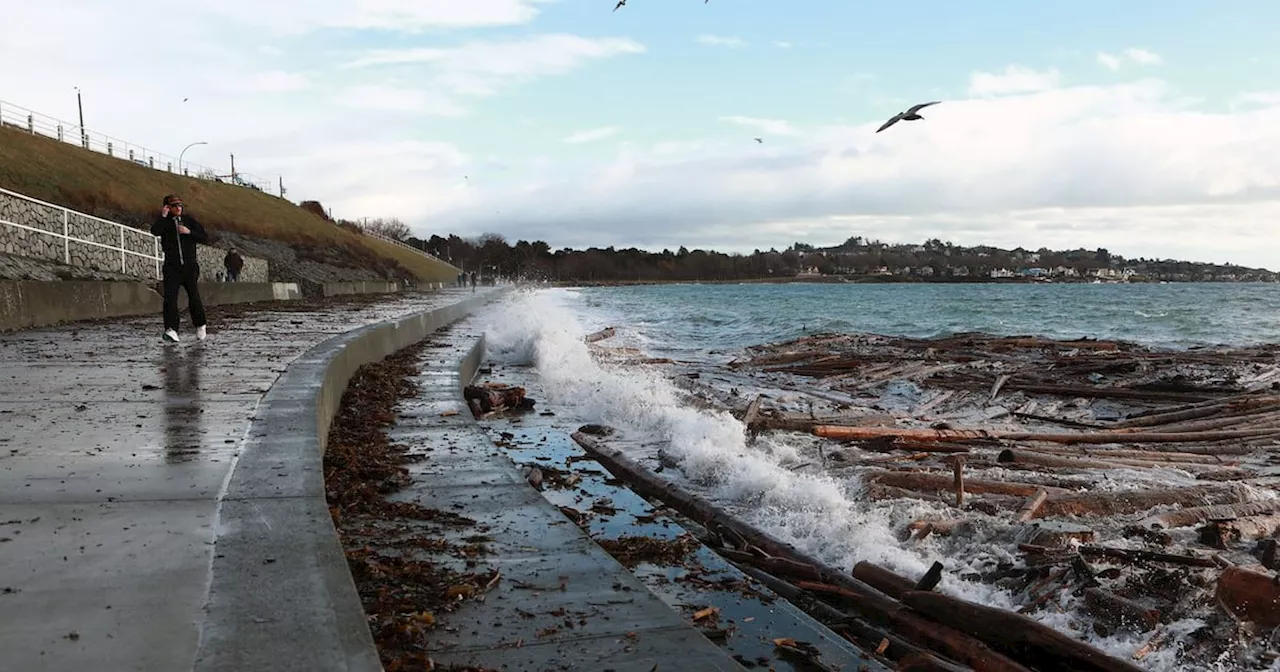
226,293
37,304
26,304
56,220
301,611
341,288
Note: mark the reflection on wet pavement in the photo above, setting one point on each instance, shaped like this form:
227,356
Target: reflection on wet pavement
182,402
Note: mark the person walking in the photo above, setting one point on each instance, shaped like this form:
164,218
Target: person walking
233,263
473,281
179,234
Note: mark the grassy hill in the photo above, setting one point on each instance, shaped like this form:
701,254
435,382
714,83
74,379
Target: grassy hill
116,189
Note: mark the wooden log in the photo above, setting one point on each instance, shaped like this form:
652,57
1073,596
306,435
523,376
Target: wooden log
1032,506
948,640
883,579
1121,612
917,434
752,413
1112,454
1196,412
1221,533
857,629
1019,456
1258,418
776,566
957,464
1138,555
924,528
927,662
932,482
607,332
1191,516
1040,646
1250,594
931,578
1134,501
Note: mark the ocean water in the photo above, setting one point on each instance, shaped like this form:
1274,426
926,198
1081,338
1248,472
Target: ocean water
766,481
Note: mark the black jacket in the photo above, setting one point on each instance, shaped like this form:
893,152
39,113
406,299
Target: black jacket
234,262
167,229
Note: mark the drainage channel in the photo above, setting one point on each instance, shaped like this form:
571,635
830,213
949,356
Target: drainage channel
659,546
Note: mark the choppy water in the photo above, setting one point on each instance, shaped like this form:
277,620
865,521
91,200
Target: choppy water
824,513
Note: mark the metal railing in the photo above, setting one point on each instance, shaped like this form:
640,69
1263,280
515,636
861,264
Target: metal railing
20,118
67,238
405,245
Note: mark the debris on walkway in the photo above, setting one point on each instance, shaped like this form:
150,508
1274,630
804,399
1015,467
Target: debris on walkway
495,398
387,543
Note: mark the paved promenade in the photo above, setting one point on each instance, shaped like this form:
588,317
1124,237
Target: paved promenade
114,449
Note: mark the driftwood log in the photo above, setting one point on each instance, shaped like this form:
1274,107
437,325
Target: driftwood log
870,603
1251,595
916,434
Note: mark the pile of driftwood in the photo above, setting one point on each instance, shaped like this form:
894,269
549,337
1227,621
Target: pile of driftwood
490,398
1140,485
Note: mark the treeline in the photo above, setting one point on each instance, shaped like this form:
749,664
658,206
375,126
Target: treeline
933,260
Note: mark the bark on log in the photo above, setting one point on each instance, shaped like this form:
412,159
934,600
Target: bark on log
1120,611
927,482
1039,645
776,566
1221,533
607,332
1193,411
1019,456
1251,595
883,579
1032,506
949,640
1134,501
1103,453
752,412
1138,555
917,434
1199,514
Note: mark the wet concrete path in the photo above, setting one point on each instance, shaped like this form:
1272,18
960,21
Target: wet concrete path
562,603
113,451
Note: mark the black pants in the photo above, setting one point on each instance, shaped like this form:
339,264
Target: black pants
178,277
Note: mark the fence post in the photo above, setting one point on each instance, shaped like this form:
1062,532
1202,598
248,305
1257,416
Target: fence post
168,166
151,162
59,132
31,124
131,156
109,149
66,237
122,249
84,138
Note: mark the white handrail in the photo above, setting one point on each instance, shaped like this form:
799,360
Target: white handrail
67,238
405,245
23,119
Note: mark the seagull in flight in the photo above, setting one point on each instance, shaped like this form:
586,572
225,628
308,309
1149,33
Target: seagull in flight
760,140
620,4
911,114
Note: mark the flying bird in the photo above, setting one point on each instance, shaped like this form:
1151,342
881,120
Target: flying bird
912,114
619,5
184,100
760,140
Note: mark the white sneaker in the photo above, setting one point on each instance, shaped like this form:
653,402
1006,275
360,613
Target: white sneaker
200,333
170,336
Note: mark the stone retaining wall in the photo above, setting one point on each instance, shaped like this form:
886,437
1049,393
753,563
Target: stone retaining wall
43,217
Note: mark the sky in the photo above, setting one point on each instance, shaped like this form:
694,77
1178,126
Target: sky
1150,128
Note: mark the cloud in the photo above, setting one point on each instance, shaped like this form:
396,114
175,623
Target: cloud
591,135
782,44
767,126
1014,79
279,81
1131,55
1131,167
389,15
718,41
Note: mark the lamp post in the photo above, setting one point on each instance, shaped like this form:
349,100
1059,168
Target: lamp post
80,106
184,151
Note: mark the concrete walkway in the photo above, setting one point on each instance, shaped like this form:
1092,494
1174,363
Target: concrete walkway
563,603
114,450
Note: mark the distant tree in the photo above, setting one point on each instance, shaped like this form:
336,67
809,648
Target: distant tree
390,227
316,209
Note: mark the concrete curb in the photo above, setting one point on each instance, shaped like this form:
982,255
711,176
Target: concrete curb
280,594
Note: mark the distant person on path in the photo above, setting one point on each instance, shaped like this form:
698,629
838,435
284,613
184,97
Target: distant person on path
473,281
178,237
233,262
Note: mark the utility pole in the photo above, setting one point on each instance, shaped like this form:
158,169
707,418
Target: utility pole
233,168
84,137
282,186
